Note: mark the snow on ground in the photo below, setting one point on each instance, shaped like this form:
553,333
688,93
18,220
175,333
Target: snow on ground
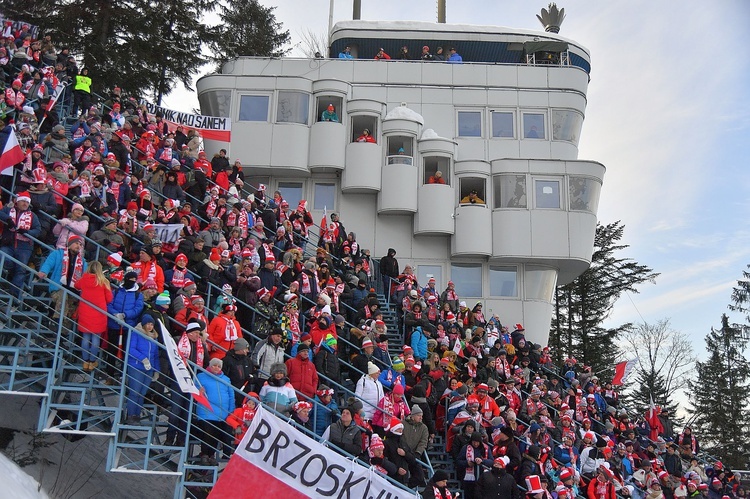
16,483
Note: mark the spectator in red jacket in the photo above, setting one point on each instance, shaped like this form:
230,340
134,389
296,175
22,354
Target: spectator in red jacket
302,373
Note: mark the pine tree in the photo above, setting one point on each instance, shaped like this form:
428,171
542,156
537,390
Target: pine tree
720,395
139,45
247,29
582,305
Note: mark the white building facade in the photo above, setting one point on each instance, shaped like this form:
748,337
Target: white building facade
505,123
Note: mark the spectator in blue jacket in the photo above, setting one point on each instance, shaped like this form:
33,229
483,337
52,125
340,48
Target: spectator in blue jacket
326,410
217,388
419,343
72,261
127,306
454,58
143,361
346,54
394,374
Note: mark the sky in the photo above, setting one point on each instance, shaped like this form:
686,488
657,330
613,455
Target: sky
667,114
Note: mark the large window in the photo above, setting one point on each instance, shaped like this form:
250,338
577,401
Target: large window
566,125
468,279
503,281
291,192
539,283
293,107
425,272
547,194
254,107
502,124
584,194
510,191
533,126
325,196
470,123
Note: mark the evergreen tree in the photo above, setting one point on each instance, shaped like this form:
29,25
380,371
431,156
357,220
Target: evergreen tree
247,29
138,45
581,306
720,395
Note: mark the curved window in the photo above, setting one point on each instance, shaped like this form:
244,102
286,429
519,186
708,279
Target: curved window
434,165
539,283
215,102
324,112
472,191
566,125
468,279
503,281
584,194
293,107
510,191
362,122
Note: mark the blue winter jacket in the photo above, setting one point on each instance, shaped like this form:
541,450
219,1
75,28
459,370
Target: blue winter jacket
125,302
419,343
219,392
52,266
324,415
141,348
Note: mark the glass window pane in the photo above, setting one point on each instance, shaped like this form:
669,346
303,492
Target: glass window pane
291,192
510,191
216,102
584,194
425,272
547,193
468,279
566,125
325,197
293,107
502,124
469,124
533,126
503,281
540,283
254,107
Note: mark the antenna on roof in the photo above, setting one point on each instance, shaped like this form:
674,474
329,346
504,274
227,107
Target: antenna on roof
357,10
441,11
551,19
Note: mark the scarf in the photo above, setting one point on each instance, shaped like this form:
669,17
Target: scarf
502,367
230,329
470,476
306,287
471,370
441,495
77,268
23,221
115,188
139,267
184,348
451,295
178,277
211,208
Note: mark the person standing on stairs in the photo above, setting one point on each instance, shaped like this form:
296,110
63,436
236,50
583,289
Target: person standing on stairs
92,318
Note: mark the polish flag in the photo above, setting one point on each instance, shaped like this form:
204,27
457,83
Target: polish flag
12,153
622,371
458,348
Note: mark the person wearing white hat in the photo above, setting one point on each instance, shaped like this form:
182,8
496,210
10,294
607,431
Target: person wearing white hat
370,390
497,483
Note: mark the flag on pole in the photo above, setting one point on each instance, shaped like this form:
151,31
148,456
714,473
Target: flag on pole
324,223
12,153
55,96
458,348
182,374
622,371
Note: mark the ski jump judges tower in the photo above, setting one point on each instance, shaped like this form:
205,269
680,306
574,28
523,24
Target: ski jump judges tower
505,123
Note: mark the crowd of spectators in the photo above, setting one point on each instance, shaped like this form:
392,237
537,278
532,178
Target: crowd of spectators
242,261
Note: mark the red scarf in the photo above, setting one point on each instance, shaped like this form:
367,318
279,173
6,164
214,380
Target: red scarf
184,348
211,208
230,328
306,288
178,277
23,220
470,476
77,268
144,276
438,495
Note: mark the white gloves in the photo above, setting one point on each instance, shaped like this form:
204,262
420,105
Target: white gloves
147,364
120,316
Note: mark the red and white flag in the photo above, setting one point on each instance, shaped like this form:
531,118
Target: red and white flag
12,152
458,348
622,371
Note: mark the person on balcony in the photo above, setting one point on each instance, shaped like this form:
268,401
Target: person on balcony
453,57
330,114
472,198
437,178
401,158
346,54
382,56
366,137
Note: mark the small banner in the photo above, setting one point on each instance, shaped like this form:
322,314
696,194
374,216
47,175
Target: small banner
210,127
14,28
168,233
274,459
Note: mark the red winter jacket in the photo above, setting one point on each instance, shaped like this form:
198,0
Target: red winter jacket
302,375
90,319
